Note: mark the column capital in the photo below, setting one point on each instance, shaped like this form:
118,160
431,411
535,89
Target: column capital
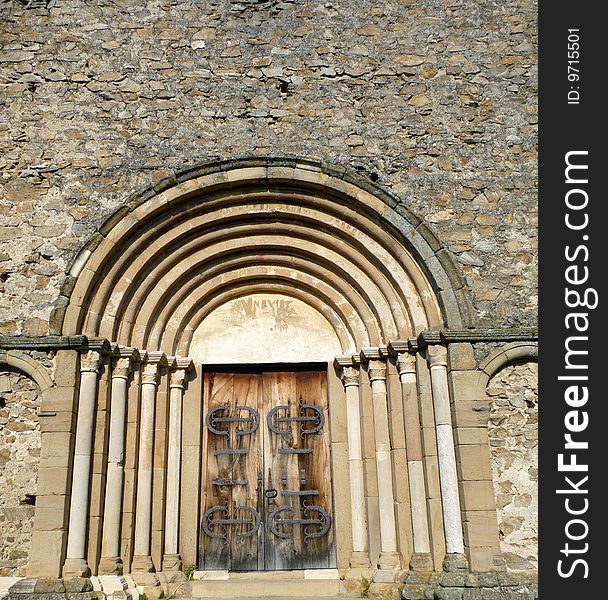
406,363
179,367
151,364
121,368
437,356
177,379
90,361
122,362
150,373
376,370
350,376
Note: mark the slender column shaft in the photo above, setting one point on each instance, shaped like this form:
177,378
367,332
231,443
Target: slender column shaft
110,548
75,564
143,507
171,558
350,379
448,477
406,365
389,558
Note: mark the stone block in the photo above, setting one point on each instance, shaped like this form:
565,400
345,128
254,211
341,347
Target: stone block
370,477
51,513
480,529
342,514
429,441
474,463
477,495
447,593
465,385
414,592
436,530
461,356
53,480
470,413
431,470
60,399
367,437
61,421
67,368
471,435
78,584
46,553
400,476
56,449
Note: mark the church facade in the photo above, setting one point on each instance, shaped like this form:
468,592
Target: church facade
269,323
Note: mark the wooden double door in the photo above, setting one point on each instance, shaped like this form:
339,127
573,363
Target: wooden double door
267,502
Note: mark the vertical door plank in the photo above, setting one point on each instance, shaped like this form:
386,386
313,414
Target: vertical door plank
216,551
316,552
279,390
245,467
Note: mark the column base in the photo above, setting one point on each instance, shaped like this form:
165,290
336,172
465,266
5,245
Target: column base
455,562
110,565
421,561
75,567
172,562
359,560
142,564
388,561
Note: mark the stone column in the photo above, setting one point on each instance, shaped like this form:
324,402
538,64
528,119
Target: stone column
350,380
111,563
376,368
448,477
171,558
142,559
422,559
75,563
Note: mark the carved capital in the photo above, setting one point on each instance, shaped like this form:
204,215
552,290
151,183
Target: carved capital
350,376
437,356
121,368
406,363
150,373
90,362
177,379
376,370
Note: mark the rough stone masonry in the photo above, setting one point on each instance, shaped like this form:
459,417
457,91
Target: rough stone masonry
435,100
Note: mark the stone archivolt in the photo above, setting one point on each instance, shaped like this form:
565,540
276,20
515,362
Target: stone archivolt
162,268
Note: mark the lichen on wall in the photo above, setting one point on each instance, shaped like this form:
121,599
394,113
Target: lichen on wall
19,456
513,433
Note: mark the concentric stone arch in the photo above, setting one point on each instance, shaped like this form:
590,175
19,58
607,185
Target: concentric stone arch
148,275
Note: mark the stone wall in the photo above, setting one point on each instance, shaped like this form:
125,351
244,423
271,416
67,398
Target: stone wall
19,456
513,432
434,99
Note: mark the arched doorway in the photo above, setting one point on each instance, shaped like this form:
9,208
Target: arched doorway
253,268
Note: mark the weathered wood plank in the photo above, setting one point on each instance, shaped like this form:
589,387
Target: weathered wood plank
218,392
245,467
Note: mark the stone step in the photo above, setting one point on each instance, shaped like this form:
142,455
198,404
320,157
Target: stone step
270,588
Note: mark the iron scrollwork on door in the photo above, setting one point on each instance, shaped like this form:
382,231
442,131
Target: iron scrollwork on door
214,421
218,527
304,417
322,521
